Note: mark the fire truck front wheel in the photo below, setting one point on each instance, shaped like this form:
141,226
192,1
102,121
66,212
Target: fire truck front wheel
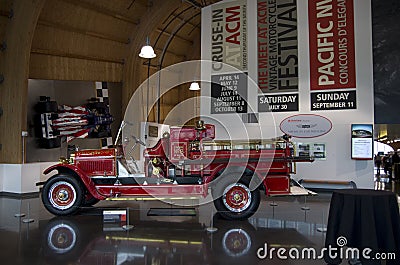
62,195
235,200
62,241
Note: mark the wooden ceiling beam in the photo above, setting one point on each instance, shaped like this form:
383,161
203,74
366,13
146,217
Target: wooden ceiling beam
157,68
159,51
174,16
74,56
194,3
186,24
136,2
81,31
152,66
176,36
102,10
4,13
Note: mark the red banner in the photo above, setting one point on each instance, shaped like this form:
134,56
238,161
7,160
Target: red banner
332,57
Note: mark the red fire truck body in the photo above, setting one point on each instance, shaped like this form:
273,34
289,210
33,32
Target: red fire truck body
185,163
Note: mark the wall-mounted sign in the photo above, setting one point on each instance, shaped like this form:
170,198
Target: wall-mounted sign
306,125
362,141
337,100
331,35
229,93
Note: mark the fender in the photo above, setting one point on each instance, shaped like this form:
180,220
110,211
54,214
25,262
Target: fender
87,181
262,179
214,173
254,184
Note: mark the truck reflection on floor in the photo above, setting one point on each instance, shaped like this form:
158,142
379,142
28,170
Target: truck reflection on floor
69,241
85,240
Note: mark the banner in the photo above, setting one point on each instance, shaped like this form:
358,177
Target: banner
229,36
331,35
277,49
333,100
278,103
229,93
277,46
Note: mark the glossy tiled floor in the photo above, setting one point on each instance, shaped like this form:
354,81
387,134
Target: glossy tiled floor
154,240
86,239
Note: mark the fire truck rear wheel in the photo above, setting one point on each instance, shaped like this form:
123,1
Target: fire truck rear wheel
237,202
62,195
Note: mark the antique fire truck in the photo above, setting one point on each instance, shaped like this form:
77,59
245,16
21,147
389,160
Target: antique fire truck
187,162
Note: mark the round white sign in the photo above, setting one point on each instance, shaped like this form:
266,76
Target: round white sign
306,125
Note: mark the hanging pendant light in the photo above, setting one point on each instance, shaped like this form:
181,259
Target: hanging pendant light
194,86
147,51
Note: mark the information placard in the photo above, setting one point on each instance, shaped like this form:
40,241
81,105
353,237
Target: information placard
362,141
316,150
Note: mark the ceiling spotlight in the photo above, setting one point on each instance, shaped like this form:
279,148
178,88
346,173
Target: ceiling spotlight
147,51
194,86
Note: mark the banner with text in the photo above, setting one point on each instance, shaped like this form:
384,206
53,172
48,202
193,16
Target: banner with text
337,100
331,36
277,53
229,36
278,103
229,93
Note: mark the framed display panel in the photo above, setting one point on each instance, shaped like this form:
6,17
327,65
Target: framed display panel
153,131
362,141
317,150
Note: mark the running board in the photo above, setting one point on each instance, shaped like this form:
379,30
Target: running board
171,212
296,191
299,191
150,198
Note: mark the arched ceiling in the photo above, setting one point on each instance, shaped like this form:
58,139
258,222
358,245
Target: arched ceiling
93,39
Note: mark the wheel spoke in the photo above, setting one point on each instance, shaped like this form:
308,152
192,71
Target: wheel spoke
237,197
